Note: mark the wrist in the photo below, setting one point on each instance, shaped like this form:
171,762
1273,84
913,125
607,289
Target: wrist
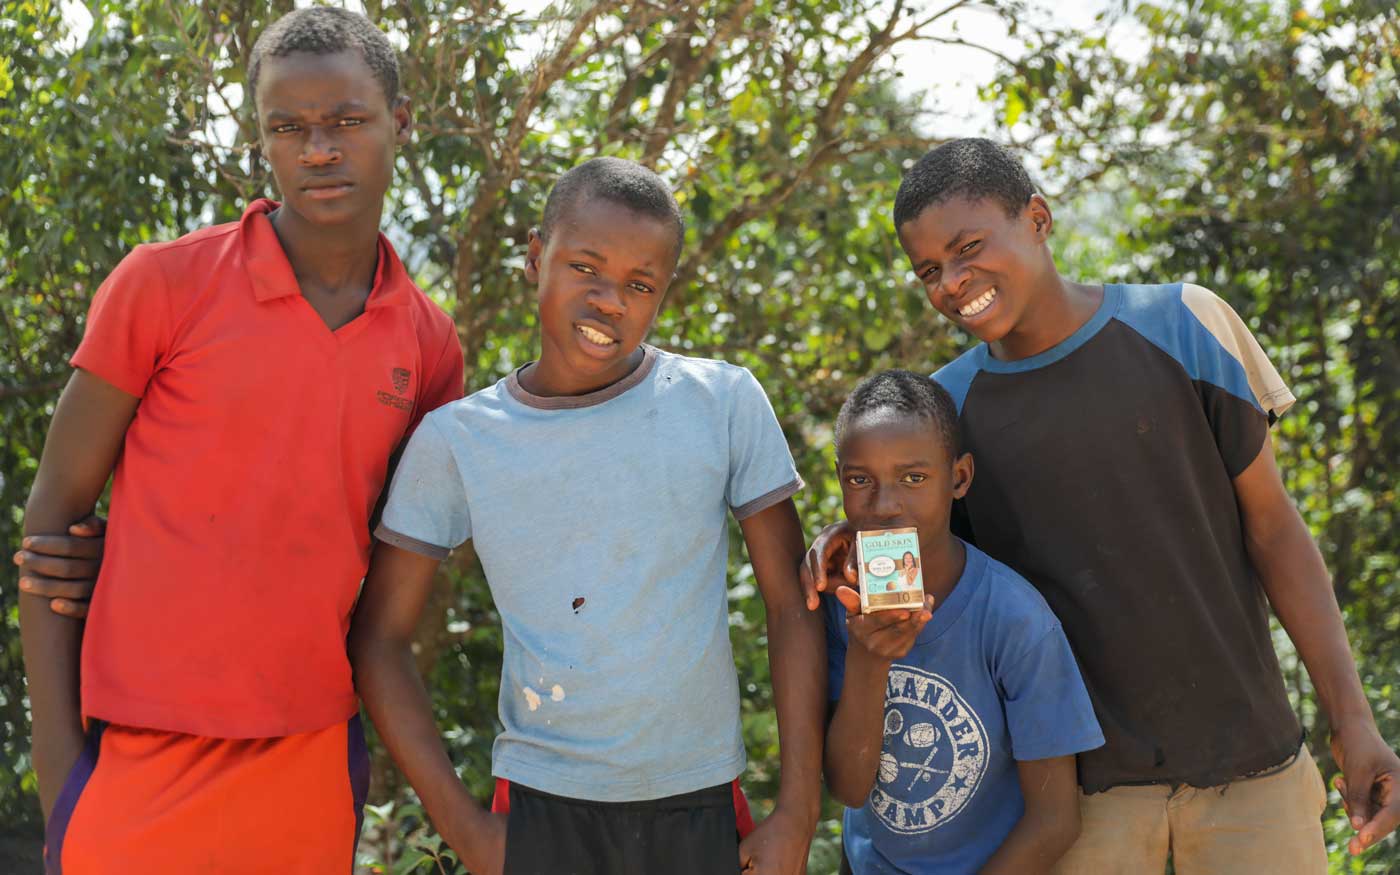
1351,721
864,663
804,809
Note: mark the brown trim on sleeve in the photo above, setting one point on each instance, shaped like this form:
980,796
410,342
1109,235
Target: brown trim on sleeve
767,499
423,548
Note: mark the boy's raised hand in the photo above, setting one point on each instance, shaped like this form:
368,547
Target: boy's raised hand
887,635
63,568
828,561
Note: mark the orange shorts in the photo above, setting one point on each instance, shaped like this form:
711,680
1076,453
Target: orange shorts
160,803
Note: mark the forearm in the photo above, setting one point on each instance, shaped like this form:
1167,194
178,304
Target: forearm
796,643
1298,586
387,680
856,734
52,645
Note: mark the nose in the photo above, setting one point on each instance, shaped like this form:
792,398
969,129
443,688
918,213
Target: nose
954,277
885,506
607,299
319,148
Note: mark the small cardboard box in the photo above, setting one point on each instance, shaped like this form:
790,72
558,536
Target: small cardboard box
891,573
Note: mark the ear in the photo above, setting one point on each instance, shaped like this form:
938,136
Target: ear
1041,219
534,249
403,120
962,475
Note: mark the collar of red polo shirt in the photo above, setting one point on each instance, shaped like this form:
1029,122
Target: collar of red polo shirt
271,273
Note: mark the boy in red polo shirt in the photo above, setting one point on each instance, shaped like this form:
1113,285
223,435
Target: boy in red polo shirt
248,384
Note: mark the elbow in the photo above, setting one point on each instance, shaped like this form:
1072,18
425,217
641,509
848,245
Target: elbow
845,788
367,652
851,797
1058,831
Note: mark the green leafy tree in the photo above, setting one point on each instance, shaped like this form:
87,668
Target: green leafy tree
778,122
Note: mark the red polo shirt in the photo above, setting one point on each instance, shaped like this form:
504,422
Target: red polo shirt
240,513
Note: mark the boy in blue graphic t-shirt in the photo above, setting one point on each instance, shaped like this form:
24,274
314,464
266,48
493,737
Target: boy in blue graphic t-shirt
954,728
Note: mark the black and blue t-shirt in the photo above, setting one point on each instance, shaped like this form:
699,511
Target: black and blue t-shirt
989,681
1104,475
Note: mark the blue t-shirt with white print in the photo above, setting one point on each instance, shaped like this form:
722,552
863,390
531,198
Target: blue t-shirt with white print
990,680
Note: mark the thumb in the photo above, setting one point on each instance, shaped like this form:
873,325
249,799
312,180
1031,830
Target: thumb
90,526
849,598
1355,788
851,568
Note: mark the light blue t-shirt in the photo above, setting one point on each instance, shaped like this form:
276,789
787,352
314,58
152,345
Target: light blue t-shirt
990,680
601,523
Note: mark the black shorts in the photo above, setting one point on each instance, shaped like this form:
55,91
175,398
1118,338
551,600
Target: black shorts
690,834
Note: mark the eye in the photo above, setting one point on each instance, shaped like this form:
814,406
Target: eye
929,273
583,268
643,288
857,479
969,247
350,122
285,129
914,477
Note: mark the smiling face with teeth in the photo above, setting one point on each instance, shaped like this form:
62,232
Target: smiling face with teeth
985,270
601,278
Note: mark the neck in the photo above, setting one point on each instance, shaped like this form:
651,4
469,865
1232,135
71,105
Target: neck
547,378
943,565
1060,308
329,259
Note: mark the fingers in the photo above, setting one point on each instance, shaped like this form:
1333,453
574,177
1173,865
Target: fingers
51,588
73,546
1386,813
888,634
1356,796
849,599
32,563
808,581
90,526
831,545
77,610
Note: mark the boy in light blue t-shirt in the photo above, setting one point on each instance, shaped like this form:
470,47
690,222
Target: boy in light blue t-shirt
954,728
595,485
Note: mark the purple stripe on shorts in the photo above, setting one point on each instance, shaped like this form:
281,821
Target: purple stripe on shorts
68,799
359,771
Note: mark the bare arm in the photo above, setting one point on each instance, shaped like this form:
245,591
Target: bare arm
796,646
1050,823
84,439
856,734
381,638
1299,588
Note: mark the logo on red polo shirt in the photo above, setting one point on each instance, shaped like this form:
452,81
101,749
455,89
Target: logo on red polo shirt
400,378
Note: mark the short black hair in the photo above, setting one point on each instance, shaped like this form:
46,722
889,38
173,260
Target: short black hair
909,394
973,168
625,183
327,30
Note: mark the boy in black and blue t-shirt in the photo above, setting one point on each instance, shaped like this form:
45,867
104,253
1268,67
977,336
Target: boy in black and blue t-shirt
954,728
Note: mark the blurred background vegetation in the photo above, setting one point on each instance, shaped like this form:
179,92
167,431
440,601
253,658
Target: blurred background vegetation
1252,146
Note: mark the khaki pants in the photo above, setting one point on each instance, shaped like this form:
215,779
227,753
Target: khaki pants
1270,825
